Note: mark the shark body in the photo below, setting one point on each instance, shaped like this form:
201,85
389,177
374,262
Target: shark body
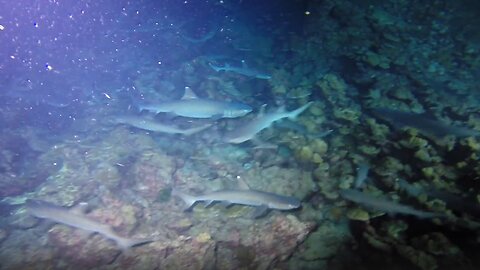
259,199
192,106
262,121
243,70
384,205
75,217
427,125
155,126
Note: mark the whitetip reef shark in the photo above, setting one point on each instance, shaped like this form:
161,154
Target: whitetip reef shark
243,70
384,205
263,201
263,120
425,124
194,107
75,217
155,126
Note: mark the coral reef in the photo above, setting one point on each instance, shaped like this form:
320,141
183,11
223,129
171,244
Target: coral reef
351,58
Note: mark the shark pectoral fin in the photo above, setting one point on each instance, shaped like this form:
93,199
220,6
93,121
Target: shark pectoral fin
260,211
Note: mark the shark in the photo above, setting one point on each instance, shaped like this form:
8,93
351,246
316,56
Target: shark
243,70
76,217
384,205
201,39
190,105
263,120
263,201
425,124
155,126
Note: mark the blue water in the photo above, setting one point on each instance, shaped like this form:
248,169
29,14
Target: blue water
71,72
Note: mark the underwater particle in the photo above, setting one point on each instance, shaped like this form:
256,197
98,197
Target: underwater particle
307,12
358,214
2,27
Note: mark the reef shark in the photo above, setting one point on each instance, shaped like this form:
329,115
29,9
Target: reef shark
385,205
425,124
263,120
243,70
192,106
260,199
75,217
155,126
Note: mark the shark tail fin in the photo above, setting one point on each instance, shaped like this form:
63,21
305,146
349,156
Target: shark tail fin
126,243
194,130
188,199
294,114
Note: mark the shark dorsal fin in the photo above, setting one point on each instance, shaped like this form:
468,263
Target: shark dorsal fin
80,208
189,94
242,184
